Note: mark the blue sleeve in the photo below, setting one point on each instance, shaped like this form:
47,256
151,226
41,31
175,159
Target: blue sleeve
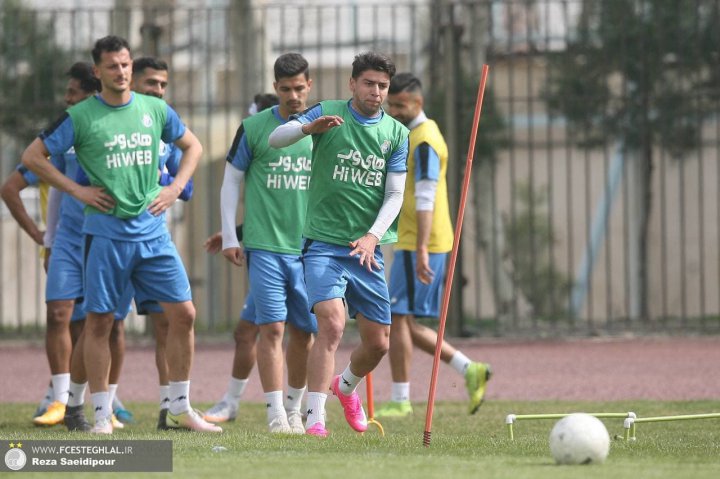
427,163
240,155
59,162
398,161
30,178
81,178
186,193
174,129
309,115
60,136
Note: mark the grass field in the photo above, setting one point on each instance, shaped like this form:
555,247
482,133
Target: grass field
462,446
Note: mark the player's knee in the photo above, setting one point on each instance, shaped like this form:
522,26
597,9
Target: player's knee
58,317
245,334
272,333
378,346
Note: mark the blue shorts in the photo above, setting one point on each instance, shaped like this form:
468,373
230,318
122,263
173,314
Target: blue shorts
65,281
278,290
145,307
64,276
152,267
407,294
248,312
330,273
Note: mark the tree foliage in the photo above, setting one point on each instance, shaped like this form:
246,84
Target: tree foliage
31,71
644,71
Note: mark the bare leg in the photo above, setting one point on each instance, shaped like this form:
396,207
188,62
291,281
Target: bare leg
96,350
160,330
270,356
296,356
78,375
58,342
117,350
374,344
245,349
401,345
321,361
426,339
180,339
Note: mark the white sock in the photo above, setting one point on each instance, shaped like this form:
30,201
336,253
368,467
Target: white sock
293,399
274,404
316,408
348,381
400,392
459,362
76,396
179,397
101,403
49,394
61,386
164,396
112,391
236,388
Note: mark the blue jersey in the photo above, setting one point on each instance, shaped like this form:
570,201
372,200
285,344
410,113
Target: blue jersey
170,156
71,217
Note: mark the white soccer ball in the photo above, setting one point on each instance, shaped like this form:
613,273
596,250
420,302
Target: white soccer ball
579,439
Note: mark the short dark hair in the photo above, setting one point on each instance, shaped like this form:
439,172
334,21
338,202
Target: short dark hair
110,43
142,63
372,61
289,65
405,81
265,100
83,73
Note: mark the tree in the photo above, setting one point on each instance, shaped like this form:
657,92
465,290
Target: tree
31,67
641,73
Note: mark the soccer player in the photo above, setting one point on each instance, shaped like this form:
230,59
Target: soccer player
64,284
116,136
356,188
151,77
424,238
276,182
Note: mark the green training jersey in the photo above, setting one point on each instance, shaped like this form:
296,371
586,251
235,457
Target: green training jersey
118,149
276,187
349,168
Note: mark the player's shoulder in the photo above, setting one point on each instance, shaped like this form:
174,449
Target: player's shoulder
149,101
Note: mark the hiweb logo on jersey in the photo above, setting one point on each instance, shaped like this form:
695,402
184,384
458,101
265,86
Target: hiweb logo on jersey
85,456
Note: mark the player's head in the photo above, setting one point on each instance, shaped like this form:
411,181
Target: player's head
405,98
113,63
369,82
292,83
263,101
81,83
150,76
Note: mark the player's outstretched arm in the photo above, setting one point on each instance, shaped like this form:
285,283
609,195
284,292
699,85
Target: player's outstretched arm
293,131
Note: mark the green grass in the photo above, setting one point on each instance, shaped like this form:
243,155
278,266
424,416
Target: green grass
462,446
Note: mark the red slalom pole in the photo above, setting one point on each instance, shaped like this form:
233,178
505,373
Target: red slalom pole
453,257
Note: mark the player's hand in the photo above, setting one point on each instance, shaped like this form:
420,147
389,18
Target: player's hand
235,255
364,248
46,259
322,124
422,267
96,197
213,244
168,195
39,237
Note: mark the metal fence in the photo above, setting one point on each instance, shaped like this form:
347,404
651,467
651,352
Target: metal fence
594,207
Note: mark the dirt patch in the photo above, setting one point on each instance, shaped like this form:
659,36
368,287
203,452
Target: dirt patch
598,370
